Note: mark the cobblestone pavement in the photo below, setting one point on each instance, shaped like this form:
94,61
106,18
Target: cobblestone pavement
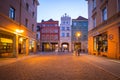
54,67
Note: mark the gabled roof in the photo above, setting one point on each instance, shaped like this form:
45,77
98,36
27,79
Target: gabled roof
81,18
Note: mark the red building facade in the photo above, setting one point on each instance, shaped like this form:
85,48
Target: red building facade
49,35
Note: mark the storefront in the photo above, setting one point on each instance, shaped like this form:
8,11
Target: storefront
77,45
100,43
6,45
105,42
46,46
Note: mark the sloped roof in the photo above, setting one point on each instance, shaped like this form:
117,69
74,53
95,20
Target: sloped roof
81,18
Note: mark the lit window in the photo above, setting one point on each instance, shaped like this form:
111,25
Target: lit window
104,14
12,13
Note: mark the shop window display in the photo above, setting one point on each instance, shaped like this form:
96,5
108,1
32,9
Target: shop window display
101,43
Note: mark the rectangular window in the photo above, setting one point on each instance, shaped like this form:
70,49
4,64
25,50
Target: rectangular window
63,28
38,28
55,31
12,13
63,34
33,27
101,43
36,36
94,22
68,35
33,2
118,5
26,22
74,23
33,14
68,28
27,6
94,4
104,14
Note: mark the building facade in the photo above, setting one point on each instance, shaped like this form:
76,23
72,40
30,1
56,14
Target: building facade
17,27
49,32
38,37
65,33
104,28
80,34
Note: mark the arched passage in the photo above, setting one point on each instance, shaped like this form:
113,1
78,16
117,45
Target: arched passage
65,46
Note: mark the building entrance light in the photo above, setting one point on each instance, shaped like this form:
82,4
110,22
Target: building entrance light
19,31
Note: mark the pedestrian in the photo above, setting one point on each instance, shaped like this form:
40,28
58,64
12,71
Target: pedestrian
79,50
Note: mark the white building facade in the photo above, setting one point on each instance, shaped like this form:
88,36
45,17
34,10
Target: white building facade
65,33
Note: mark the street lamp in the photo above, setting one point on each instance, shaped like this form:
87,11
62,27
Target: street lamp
77,44
78,34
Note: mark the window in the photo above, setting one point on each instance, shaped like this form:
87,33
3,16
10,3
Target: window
104,14
36,36
68,35
66,22
26,22
63,34
68,28
63,22
6,43
84,24
63,28
55,31
27,6
55,37
101,0
33,2
94,22
94,4
74,24
33,27
38,28
12,13
33,14
101,43
118,5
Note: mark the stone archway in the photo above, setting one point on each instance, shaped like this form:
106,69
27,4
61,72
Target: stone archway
65,47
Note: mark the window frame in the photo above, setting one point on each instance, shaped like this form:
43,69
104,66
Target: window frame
104,14
27,6
94,4
12,13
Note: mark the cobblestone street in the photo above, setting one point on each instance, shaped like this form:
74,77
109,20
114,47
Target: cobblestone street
55,67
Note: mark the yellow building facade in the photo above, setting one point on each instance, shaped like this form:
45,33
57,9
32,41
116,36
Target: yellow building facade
17,28
104,28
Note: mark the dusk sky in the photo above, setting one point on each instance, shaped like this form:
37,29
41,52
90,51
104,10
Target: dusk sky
56,8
